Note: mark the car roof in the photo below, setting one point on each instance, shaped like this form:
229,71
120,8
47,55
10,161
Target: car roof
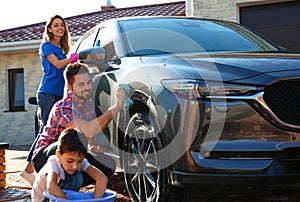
164,17
116,20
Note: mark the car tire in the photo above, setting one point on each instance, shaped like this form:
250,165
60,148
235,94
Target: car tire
143,177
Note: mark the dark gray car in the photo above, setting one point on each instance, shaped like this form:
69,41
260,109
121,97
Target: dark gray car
214,106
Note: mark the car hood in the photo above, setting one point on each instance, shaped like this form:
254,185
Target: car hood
254,68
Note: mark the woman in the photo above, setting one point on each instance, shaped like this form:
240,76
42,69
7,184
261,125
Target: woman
53,51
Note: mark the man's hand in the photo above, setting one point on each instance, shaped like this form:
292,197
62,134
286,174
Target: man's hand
95,148
120,97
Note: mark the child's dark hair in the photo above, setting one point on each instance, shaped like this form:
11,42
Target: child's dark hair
69,141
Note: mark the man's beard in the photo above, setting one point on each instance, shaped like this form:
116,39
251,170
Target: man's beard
84,98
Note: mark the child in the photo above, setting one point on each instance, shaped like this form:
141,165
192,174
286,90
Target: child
63,170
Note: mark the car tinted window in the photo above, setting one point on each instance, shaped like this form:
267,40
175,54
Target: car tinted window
105,40
186,35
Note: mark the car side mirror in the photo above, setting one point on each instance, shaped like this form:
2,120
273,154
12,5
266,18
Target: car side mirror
32,100
94,57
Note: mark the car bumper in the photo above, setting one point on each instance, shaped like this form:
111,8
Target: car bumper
202,181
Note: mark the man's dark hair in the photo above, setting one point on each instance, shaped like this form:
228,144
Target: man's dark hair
73,69
69,141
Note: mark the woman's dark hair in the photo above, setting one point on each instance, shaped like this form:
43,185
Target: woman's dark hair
73,69
69,141
65,42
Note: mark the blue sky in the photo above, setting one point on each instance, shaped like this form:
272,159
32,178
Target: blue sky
16,13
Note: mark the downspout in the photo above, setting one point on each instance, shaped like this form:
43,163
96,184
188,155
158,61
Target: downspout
189,9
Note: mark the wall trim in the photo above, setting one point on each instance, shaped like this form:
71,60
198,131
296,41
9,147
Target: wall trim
256,3
28,45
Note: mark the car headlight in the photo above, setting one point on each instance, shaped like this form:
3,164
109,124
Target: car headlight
196,89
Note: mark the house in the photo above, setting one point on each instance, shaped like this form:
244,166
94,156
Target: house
20,69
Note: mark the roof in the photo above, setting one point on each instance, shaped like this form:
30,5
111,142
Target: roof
79,24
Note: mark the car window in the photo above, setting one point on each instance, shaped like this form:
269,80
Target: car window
186,35
105,40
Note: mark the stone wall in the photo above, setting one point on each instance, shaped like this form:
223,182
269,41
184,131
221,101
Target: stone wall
223,9
17,128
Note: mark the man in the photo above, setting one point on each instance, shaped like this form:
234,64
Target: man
77,110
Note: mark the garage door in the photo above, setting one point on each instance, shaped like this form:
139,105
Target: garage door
279,22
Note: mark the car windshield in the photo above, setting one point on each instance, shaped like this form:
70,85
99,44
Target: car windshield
167,35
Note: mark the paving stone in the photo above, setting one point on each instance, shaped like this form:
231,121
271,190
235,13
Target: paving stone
13,194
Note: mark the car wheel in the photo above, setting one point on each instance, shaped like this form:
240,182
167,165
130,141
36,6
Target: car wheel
143,177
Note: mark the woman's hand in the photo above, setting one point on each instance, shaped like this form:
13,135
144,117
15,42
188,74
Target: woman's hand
73,57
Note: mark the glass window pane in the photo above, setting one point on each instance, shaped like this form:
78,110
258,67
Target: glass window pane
16,90
19,91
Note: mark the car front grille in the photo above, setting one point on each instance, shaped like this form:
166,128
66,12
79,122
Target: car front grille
283,98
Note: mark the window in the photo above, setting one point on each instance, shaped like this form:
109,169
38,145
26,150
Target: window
106,41
16,89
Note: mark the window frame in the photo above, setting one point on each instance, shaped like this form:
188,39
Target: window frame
13,87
